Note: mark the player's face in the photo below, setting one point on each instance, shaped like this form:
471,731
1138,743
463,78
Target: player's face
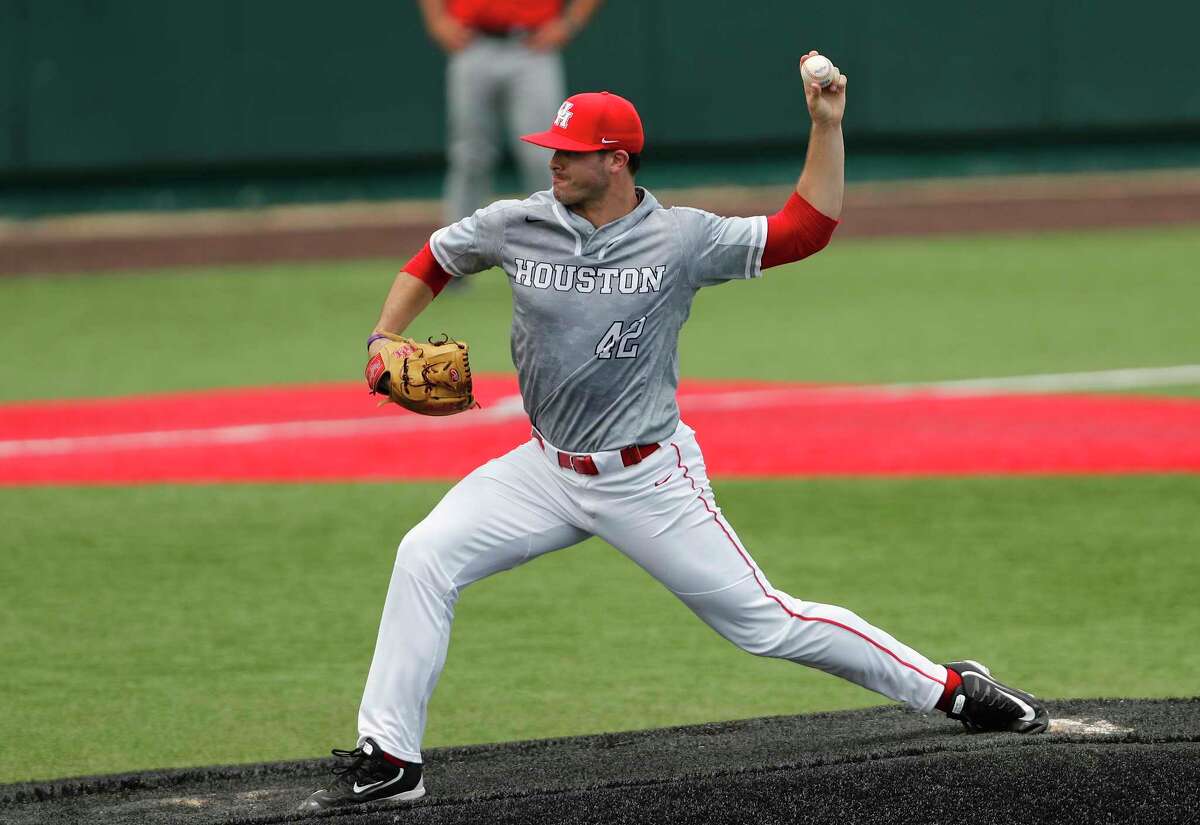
579,177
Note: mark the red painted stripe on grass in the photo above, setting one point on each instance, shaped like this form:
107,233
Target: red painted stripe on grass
747,428
754,572
208,408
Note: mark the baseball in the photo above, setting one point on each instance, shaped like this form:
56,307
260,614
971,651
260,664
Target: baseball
817,69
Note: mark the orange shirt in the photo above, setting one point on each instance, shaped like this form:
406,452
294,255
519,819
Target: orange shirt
502,15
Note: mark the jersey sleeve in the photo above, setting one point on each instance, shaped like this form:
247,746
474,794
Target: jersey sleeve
795,232
472,244
721,249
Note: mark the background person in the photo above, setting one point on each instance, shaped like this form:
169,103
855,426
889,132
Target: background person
505,75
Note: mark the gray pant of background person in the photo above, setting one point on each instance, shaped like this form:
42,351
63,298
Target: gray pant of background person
497,82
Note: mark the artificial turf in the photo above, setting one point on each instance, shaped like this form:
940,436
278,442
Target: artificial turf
164,626
872,766
901,309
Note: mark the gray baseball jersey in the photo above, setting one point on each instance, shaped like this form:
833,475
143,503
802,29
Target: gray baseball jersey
597,312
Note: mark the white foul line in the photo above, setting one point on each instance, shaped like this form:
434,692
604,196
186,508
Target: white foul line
511,407
898,393
1055,382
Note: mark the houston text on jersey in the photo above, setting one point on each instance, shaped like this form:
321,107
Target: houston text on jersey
605,280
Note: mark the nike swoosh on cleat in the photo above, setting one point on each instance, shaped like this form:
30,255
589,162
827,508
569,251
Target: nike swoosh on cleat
1029,713
376,785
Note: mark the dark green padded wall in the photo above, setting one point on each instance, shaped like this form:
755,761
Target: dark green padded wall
14,76
129,84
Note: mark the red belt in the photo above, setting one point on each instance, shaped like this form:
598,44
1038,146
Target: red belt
585,465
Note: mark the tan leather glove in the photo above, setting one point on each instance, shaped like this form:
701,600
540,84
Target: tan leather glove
430,379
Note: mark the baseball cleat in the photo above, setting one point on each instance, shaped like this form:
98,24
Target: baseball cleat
370,777
983,704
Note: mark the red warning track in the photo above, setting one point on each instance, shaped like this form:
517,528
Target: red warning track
334,432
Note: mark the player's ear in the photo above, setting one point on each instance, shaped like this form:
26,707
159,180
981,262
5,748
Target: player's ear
618,159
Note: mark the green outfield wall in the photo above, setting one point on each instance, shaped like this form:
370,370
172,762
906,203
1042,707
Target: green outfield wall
95,85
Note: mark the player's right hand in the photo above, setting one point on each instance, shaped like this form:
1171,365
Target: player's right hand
448,33
826,106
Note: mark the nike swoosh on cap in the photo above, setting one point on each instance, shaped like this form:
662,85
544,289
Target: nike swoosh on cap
606,140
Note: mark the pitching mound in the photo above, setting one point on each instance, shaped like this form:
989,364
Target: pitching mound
1103,760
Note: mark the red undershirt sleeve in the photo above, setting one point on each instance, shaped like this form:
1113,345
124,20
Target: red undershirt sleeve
424,267
796,231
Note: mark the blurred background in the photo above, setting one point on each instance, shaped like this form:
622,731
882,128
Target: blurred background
127,105
202,206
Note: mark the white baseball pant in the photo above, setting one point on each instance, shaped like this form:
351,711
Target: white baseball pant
661,514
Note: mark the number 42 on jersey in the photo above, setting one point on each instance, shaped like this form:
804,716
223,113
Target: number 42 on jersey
620,341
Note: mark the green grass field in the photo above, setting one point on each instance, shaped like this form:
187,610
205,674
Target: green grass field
883,310
158,626
179,625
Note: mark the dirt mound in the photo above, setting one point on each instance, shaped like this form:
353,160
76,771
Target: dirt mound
397,229
1104,760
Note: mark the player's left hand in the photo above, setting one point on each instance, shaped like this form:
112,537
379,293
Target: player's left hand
430,379
550,36
826,106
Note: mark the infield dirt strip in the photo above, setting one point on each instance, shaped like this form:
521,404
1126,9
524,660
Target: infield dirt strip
396,229
335,432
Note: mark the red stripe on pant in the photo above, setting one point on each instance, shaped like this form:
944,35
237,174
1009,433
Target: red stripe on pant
784,607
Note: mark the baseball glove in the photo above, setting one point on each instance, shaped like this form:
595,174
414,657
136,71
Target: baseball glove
430,379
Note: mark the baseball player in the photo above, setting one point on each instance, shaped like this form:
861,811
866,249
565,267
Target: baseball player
603,278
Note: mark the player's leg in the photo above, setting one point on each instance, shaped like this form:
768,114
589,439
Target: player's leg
535,88
674,529
473,122
506,512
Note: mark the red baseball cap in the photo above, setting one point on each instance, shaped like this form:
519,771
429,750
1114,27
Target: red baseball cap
591,122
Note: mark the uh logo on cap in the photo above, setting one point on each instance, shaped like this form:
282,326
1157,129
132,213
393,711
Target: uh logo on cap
564,115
